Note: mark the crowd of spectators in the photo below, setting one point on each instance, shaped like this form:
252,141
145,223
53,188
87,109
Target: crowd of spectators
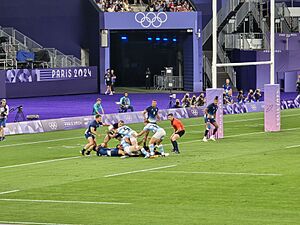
114,5
153,6
228,98
169,6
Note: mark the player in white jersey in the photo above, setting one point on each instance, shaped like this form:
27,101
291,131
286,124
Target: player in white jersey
157,138
127,132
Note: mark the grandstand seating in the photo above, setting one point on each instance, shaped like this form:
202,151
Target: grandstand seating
13,42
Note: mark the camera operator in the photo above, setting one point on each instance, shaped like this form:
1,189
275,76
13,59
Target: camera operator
186,101
4,111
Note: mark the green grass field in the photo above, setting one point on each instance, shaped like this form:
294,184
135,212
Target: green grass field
249,177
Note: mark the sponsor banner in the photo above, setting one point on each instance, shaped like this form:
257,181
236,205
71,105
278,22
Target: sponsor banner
52,125
195,112
57,74
29,127
134,117
237,108
272,107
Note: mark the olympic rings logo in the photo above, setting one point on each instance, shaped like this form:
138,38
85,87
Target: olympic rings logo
151,19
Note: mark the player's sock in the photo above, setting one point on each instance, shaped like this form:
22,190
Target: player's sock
215,131
151,149
82,151
145,153
206,133
161,149
175,145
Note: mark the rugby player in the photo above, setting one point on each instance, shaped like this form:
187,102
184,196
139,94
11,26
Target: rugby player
91,133
112,152
152,112
210,114
178,132
157,138
127,132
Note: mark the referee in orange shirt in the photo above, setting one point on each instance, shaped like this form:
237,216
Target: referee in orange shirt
178,132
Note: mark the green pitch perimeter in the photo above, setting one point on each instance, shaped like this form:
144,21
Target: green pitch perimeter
249,177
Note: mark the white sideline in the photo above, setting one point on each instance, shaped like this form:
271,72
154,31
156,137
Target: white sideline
219,173
139,171
186,142
64,202
293,146
34,223
72,138
8,192
40,162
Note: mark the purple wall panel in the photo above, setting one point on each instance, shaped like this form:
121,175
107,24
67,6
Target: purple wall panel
2,84
290,79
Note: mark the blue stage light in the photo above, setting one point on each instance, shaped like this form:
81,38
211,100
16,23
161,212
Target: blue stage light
124,38
158,39
165,39
174,39
149,38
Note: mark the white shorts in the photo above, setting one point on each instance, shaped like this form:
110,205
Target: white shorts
160,134
127,150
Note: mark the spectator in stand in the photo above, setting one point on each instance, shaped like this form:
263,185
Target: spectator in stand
257,95
113,80
177,104
186,101
201,100
241,97
227,88
98,109
169,6
298,85
108,82
125,103
250,96
194,101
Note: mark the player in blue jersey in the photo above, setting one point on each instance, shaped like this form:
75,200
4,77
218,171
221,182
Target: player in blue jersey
210,115
151,113
157,138
112,152
90,134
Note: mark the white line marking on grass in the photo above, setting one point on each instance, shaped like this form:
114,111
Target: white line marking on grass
14,222
186,142
8,192
39,142
139,171
293,146
40,162
64,202
219,173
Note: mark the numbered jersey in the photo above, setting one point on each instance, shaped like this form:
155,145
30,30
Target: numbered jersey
152,127
125,131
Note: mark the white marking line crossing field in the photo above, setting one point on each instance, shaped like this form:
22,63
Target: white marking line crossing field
8,192
63,202
139,171
72,138
33,223
186,142
40,162
219,173
293,146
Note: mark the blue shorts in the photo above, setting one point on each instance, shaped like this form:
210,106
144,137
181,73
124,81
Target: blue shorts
87,136
2,122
